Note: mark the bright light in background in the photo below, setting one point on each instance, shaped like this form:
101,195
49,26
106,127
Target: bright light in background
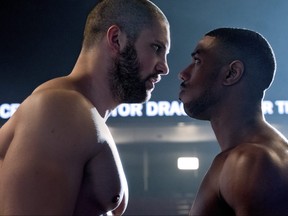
188,163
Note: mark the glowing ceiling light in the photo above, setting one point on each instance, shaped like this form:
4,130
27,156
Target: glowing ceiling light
188,163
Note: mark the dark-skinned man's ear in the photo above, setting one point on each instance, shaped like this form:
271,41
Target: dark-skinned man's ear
234,73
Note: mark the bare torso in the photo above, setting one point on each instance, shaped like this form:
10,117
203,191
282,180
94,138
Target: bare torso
250,179
107,173
59,158
209,200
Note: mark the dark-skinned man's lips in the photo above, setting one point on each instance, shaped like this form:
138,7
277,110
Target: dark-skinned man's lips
182,89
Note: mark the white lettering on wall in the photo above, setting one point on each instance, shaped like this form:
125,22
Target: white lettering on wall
125,110
157,108
7,110
165,108
282,106
267,107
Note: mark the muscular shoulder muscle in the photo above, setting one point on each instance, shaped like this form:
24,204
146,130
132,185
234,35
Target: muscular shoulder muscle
253,181
42,168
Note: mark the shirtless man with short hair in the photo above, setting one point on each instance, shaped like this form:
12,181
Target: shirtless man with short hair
225,84
57,154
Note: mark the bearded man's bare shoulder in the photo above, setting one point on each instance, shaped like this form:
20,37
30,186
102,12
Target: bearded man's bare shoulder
62,112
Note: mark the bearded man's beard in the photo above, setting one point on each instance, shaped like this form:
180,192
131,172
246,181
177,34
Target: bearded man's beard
125,81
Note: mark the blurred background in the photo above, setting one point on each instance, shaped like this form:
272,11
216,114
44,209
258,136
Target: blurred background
40,40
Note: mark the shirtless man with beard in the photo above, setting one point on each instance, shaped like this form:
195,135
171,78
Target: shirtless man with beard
57,154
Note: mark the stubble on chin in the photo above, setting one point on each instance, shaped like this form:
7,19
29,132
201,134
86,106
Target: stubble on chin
199,108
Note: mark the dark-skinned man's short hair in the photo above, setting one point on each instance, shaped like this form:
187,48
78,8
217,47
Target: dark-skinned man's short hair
252,49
